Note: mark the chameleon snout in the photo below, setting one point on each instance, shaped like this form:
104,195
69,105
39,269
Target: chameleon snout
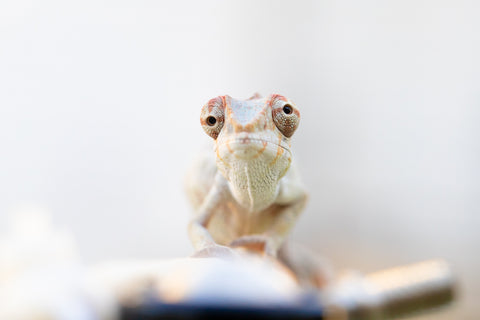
243,138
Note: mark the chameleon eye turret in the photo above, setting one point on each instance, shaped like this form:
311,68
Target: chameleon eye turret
212,117
286,117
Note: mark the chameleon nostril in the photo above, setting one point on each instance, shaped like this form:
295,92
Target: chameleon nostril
245,140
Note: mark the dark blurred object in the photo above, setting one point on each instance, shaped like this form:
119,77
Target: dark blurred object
394,292
157,310
391,293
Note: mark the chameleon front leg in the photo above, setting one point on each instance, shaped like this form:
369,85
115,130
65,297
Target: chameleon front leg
285,220
200,237
270,241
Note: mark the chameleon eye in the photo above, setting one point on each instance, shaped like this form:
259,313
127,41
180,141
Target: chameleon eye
211,121
212,118
287,109
286,118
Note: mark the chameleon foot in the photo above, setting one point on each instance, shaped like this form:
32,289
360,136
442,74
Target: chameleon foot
215,251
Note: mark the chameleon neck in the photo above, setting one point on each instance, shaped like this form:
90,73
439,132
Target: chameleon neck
253,184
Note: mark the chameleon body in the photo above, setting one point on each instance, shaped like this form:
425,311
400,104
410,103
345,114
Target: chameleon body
246,192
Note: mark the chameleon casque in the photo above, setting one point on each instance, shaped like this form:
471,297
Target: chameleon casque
246,191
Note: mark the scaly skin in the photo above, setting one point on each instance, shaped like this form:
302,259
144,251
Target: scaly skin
246,192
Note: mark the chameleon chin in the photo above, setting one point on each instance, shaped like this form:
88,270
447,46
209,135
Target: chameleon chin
246,192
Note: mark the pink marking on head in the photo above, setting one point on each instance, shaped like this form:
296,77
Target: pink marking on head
255,96
225,100
214,102
275,97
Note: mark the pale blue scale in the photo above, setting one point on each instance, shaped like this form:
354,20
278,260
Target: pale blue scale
245,111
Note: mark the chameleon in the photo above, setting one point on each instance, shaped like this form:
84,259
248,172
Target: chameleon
247,192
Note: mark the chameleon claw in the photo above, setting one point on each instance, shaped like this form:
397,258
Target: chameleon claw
255,243
215,251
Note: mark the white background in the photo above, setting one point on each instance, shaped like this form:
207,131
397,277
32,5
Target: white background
99,106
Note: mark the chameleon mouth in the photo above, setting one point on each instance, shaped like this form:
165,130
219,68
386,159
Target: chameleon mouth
247,147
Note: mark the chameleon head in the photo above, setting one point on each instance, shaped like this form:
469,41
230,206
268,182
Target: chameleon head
252,143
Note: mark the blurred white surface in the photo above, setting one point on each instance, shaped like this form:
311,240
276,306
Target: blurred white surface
99,105
42,277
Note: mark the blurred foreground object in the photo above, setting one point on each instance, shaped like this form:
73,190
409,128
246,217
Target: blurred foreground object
41,277
393,292
263,289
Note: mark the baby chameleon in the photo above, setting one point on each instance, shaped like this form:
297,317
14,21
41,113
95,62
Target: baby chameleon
246,192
